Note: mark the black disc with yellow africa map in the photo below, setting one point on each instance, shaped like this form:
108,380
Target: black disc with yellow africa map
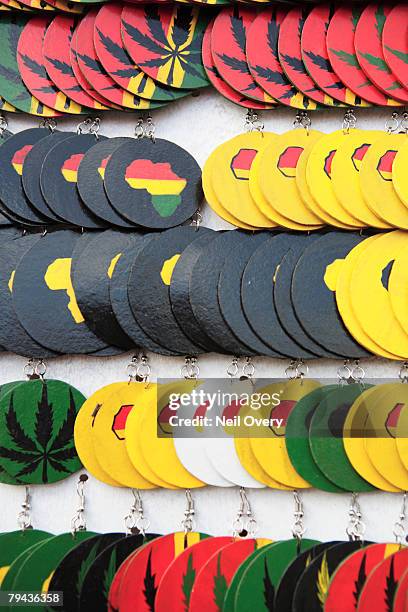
44,298
153,184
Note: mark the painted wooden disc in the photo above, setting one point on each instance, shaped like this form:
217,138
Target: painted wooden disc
91,280
38,4
228,47
178,580
156,261
58,181
155,185
37,437
213,579
103,570
141,580
263,60
33,71
57,61
381,585
15,543
369,50
351,575
311,588
400,597
218,82
297,440
343,58
399,178
17,6
166,42
326,439
96,75
12,156
257,587
51,315
67,6
290,57
313,292
316,58
5,476
395,43
117,63
14,568
69,575
369,293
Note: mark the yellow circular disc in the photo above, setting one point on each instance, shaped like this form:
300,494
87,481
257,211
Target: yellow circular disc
381,434
251,465
354,442
376,174
270,447
109,432
230,177
345,175
398,288
318,176
370,298
277,175
344,305
159,452
399,173
211,198
83,432
402,437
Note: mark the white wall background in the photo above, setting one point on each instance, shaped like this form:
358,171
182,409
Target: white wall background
198,124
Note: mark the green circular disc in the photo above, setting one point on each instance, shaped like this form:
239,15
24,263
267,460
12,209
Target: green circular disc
9,578
326,439
5,477
14,543
297,440
256,590
37,431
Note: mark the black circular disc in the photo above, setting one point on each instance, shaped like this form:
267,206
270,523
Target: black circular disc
310,591
98,578
153,184
69,575
12,155
58,180
315,302
180,291
44,298
285,590
204,292
4,219
120,300
257,296
13,336
148,288
32,171
283,300
91,279
91,185
229,293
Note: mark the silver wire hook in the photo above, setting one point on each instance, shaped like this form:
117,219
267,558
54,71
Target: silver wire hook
78,522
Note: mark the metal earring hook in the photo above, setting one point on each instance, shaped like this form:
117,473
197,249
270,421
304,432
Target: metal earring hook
24,516
356,528
135,521
78,522
399,530
245,524
188,522
298,527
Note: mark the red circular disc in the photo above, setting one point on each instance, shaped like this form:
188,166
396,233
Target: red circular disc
342,55
176,585
95,74
395,42
142,577
369,50
228,46
401,596
57,61
66,6
263,60
381,585
350,577
316,57
290,57
213,580
32,69
219,83
114,589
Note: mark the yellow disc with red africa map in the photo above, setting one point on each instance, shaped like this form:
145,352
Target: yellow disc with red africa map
376,177
345,174
318,176
398,287
399,173
277,175
269,447
301,181
109,432
230,178
402,437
